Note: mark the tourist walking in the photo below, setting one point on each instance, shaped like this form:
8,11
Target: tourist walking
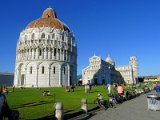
120,89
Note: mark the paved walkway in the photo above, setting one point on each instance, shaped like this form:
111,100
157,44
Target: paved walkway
135,109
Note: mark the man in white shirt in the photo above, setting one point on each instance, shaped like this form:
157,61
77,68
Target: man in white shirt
109,88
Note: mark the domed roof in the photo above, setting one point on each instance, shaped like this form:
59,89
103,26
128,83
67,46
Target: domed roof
48,19
110,60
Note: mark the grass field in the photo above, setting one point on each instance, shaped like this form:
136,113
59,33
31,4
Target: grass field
33,105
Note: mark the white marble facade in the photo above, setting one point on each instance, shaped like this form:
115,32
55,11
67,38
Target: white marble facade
130,71
46,55
104,72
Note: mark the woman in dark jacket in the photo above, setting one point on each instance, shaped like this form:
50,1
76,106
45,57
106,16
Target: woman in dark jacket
4,108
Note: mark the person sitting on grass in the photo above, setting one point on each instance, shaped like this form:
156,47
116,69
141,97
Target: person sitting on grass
46,93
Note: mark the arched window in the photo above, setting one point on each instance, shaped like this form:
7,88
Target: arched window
43,35
55,52
63,37
64,54
48,37
40,52
43,70
54,70
30,70
64,70
33,36
53,36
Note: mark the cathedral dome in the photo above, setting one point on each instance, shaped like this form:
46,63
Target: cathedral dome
48,19
110,60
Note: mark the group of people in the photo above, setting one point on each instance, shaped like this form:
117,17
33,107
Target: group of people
118,89
70,88
46,93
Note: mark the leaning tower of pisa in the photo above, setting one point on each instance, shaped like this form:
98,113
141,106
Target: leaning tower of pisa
134,65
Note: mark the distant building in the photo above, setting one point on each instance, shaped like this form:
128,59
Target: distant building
6,78
155,78
103,72
46,54
129,72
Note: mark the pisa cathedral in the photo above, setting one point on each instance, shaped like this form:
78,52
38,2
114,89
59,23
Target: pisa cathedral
104,71
46,54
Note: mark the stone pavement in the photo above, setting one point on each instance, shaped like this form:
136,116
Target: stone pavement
135,109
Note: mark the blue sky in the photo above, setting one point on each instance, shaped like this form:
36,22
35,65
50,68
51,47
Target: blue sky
121,28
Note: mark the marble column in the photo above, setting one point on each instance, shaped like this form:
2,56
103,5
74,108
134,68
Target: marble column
29,56
49,53
25,77
19,77
53,57
60,80
69,76
32,54
49,83
45,53
37,77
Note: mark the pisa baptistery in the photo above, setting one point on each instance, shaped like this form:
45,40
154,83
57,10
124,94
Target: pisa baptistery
46,54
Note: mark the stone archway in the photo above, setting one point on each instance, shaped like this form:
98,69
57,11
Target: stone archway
65,73
55,74
21,75
72,75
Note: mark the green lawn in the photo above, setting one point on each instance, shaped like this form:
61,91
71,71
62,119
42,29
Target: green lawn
33,105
